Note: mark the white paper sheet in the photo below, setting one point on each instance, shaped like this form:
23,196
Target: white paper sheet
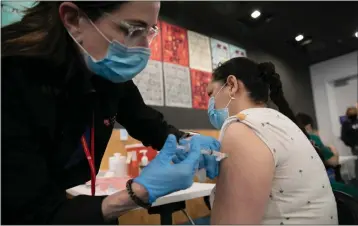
219,52
150,83
236,51
199,52
123,134
177,86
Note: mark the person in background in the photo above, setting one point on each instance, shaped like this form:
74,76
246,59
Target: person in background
349,133
67,70
273,174
329,157
330,154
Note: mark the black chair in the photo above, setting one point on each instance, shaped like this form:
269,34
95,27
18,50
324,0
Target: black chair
347,207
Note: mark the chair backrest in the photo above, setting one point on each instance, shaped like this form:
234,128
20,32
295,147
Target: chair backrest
347,207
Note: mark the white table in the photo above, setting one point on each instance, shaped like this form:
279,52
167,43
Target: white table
197,190
345,159
166,205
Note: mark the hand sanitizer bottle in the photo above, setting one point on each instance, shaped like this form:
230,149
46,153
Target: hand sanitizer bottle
144,161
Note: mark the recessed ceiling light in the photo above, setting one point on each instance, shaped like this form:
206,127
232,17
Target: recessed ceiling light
299,38
255,14
356,34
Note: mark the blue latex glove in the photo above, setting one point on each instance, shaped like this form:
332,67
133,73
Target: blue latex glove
162,177
206,161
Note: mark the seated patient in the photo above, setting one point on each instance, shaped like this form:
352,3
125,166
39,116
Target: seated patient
329,156
273,174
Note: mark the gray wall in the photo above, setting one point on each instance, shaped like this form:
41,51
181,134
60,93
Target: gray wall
323,75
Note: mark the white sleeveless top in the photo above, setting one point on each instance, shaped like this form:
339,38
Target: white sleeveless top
301,192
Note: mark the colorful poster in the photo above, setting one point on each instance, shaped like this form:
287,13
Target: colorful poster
175,44
199,51
177,86
219,52
199,83
236,52
156,46
150,83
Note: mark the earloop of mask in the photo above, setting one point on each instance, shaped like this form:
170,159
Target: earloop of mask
220,90
75,40
80,44
231,98
99,31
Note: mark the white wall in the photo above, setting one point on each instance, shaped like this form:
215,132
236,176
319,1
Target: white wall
325,96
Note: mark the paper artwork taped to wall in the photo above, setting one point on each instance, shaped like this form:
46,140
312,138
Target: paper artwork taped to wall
219,52
177,86
236,52
156,46
13,11
150,83
175,44
199,83
199,51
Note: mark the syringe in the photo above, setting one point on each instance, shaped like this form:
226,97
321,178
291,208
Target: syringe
219,155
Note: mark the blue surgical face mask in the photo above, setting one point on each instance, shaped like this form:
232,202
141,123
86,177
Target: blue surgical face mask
217,117
120,64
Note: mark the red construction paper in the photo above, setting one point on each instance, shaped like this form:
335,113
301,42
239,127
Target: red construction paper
199,83
175,44
156,46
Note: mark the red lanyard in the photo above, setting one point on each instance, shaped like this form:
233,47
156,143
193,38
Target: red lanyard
90,158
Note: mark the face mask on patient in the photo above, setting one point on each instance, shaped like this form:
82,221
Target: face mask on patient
217,117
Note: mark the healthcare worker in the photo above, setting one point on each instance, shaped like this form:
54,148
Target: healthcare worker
66,78
349,133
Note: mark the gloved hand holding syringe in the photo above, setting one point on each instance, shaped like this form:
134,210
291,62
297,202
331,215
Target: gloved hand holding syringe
210,149
218,155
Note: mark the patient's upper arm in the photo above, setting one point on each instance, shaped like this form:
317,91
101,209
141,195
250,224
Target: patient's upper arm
244,184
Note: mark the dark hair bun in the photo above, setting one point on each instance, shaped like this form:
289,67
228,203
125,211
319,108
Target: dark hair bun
269,76
267,71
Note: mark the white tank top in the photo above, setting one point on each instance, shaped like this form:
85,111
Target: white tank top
301,192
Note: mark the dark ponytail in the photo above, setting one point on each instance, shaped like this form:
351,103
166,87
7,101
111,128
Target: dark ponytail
269,76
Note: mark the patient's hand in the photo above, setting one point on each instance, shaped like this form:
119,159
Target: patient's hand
333,150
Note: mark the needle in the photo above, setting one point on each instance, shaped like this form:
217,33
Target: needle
219,156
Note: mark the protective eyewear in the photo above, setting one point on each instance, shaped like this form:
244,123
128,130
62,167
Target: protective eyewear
135,35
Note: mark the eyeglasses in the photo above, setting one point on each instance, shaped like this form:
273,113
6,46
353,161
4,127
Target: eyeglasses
135,35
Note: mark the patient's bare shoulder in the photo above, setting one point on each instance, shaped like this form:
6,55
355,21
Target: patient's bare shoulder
244,183
243,138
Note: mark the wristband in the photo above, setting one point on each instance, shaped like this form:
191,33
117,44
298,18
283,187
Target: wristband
135,199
